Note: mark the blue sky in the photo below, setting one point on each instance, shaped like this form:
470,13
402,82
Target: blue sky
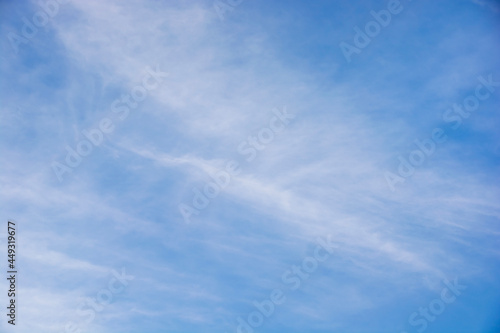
314,140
